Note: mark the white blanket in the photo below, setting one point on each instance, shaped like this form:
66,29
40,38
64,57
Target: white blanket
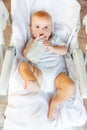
27,111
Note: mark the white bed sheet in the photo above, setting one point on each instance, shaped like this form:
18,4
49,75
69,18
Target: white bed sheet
27,111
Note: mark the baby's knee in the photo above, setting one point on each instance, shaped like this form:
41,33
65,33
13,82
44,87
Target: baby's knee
22,66
67,87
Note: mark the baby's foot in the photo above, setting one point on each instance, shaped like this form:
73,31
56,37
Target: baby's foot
32,85
52,113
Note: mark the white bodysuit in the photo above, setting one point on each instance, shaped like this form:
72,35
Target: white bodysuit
51,65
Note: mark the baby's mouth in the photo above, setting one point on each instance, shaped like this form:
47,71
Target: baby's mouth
41,34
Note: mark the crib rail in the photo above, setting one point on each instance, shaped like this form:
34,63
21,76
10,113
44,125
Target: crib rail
6,69
79,62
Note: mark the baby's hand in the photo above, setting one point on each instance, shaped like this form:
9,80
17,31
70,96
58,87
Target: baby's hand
41,36
48,45
36,39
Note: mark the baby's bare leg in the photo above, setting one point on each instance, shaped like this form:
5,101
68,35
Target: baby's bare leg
31,75
66,88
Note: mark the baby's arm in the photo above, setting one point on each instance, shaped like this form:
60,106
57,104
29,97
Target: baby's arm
60,50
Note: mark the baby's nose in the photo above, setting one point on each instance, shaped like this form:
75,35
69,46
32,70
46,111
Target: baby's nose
43,31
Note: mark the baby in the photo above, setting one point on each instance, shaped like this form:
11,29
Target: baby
52,59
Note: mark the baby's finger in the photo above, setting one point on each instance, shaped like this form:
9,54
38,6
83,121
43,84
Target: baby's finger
46,43
42,36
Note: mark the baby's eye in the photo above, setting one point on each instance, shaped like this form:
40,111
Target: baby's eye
46,27
37,26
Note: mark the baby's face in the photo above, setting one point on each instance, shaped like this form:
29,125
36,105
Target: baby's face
41,26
